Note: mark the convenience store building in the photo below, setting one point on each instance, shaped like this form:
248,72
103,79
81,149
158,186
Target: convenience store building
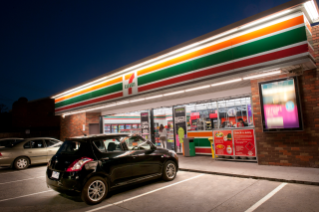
252,86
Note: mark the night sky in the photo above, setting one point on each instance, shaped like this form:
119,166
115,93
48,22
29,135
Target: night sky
48,46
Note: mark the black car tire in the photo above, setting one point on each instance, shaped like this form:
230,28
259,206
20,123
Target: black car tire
169,171
21,163
91,184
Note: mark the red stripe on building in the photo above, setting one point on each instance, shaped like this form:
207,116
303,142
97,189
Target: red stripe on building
240,64
203,150
112,96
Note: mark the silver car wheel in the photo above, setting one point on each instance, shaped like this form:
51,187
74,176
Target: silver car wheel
22,163
96,190
170,170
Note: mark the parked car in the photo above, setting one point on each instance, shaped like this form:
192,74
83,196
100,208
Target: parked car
23,153
8,141
96,164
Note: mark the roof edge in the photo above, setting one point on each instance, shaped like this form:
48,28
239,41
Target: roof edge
255,17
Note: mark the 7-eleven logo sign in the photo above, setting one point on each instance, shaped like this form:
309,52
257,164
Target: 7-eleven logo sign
130,84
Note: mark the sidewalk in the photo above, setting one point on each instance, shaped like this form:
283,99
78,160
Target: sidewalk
206,164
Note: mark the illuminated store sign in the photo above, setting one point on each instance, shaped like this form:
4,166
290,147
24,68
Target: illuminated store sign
280,105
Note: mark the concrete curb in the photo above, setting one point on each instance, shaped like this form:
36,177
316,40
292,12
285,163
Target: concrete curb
252,177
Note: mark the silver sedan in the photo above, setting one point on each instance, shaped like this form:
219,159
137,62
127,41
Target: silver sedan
29,151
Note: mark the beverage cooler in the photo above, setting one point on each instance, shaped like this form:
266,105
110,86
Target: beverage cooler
121,127
115,128
107,128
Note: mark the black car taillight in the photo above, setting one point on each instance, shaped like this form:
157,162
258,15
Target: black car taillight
78,164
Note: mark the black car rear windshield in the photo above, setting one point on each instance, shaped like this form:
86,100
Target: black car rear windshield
73,147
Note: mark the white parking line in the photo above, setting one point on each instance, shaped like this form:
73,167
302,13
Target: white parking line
21,180
23,170
2,200
119,202
268,196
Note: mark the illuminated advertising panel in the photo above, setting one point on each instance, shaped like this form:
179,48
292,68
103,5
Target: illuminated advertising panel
280,105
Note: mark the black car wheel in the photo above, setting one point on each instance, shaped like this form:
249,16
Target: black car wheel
21,163
169,170
95,190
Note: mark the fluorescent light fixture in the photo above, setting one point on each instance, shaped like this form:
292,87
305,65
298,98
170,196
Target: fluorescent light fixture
262,75
153,97
173,93
264,19
122,103
311,10
226,82
111,105
197,88
137,100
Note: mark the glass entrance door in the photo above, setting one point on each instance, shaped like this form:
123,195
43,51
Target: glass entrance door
163,128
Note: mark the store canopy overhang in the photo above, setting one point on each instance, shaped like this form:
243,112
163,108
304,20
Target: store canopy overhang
283,19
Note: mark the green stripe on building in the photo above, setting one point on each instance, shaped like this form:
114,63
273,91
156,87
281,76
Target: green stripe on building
93,94
266,44
202,142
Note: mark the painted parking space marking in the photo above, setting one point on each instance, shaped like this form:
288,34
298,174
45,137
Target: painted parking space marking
21,180
2,200
23,170
267,197
122,201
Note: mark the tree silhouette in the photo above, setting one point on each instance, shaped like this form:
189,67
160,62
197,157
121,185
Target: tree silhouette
3,108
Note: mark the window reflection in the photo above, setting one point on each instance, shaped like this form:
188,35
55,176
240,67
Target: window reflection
229,113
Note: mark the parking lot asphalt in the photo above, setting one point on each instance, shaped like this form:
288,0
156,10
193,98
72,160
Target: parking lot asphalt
26,190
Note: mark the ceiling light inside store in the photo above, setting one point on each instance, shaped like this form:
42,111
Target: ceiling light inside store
311,10
137,100
262,75
226,82
197,88
173,93
153,97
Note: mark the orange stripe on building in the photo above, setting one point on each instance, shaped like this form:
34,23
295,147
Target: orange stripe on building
200,134
95,87
249,36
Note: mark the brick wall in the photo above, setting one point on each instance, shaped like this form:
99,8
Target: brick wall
291,148
92,118
315,38
73,125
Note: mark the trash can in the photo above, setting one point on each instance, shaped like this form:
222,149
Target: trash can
189,147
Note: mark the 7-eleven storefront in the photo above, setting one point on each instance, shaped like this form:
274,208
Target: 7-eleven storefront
240,92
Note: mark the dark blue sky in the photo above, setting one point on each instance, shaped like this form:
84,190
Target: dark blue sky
48,46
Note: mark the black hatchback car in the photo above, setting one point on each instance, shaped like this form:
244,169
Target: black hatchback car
94,165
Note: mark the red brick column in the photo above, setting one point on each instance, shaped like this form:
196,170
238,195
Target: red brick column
73,125
315,38
291,148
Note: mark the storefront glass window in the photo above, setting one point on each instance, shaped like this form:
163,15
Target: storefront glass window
134,122
228,113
